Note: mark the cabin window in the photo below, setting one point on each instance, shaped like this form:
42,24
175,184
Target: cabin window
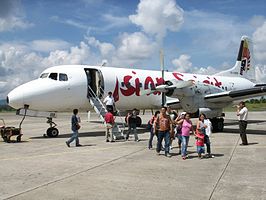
53,76
44,75
63,77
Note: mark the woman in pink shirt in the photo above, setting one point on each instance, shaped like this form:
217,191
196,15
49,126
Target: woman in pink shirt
186,128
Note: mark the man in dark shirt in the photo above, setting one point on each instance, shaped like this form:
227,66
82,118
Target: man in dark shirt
132,124
74,127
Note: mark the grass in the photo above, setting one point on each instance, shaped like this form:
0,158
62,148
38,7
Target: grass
251,107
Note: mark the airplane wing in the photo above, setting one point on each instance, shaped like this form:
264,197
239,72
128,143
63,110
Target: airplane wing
257,90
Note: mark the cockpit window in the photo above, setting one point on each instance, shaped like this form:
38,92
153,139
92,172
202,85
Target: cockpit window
63,77
53,76
44,75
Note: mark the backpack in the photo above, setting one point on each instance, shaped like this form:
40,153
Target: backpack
150,123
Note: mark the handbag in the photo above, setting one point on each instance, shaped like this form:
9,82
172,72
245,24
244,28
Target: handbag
77,126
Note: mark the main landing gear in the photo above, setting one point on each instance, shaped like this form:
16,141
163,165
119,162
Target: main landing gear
52,131
217,124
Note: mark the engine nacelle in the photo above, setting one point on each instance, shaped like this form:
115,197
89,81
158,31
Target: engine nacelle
210,113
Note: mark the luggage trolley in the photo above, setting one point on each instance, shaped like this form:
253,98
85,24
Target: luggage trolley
8,131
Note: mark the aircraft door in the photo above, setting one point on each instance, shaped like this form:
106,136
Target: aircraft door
95,83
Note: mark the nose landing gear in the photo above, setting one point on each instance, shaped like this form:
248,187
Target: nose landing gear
52,131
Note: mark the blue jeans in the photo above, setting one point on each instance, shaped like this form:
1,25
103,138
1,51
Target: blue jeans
151,138
179,138
166,136
74,137
185,140
134,127
200,149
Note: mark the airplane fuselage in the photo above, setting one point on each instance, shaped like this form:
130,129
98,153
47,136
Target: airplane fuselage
63,88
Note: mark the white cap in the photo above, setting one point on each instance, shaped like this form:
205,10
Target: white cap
183,113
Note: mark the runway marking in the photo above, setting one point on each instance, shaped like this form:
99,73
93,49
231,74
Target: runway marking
75,174
56,154
225,168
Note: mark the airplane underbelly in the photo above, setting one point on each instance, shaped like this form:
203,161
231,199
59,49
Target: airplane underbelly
139,102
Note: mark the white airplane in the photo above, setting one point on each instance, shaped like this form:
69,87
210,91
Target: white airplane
63,88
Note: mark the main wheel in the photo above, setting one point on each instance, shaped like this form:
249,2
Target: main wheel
217,124
52,132
220,124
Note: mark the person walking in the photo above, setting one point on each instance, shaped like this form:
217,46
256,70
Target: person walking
109,102
109,122
152,130
173,115
75,126
132,124
178,127
203,124
242,113
164,126
186,128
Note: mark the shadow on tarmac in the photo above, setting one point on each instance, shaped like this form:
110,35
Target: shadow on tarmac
88,134
235,122
249,131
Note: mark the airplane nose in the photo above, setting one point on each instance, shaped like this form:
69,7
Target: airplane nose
15,98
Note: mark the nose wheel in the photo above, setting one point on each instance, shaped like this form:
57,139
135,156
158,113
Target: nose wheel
52,131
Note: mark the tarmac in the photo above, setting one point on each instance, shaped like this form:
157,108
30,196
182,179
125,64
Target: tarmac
45,168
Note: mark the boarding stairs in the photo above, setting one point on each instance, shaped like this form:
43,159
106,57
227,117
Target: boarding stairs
100,109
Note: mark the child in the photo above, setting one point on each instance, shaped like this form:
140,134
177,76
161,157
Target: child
200,142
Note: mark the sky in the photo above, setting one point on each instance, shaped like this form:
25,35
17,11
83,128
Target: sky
195,36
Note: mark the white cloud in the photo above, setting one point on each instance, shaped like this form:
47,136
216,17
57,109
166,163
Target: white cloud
257,20
133,48
106,49
115,21
76,55
129,49
206,70
157,16
49,45
183,63
12,16
260,72
215,32
69,22
259,40
19,64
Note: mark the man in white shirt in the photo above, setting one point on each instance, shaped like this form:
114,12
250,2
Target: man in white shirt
109,102
242,113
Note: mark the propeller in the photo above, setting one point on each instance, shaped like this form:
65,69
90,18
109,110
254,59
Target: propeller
164,88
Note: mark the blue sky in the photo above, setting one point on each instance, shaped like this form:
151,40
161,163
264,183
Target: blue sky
196,36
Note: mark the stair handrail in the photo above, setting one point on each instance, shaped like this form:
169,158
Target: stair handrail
93,95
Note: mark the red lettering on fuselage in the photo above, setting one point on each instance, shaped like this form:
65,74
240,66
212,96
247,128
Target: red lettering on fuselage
132,84
129,89
178,76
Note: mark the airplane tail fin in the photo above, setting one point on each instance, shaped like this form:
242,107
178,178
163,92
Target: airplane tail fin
244,64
